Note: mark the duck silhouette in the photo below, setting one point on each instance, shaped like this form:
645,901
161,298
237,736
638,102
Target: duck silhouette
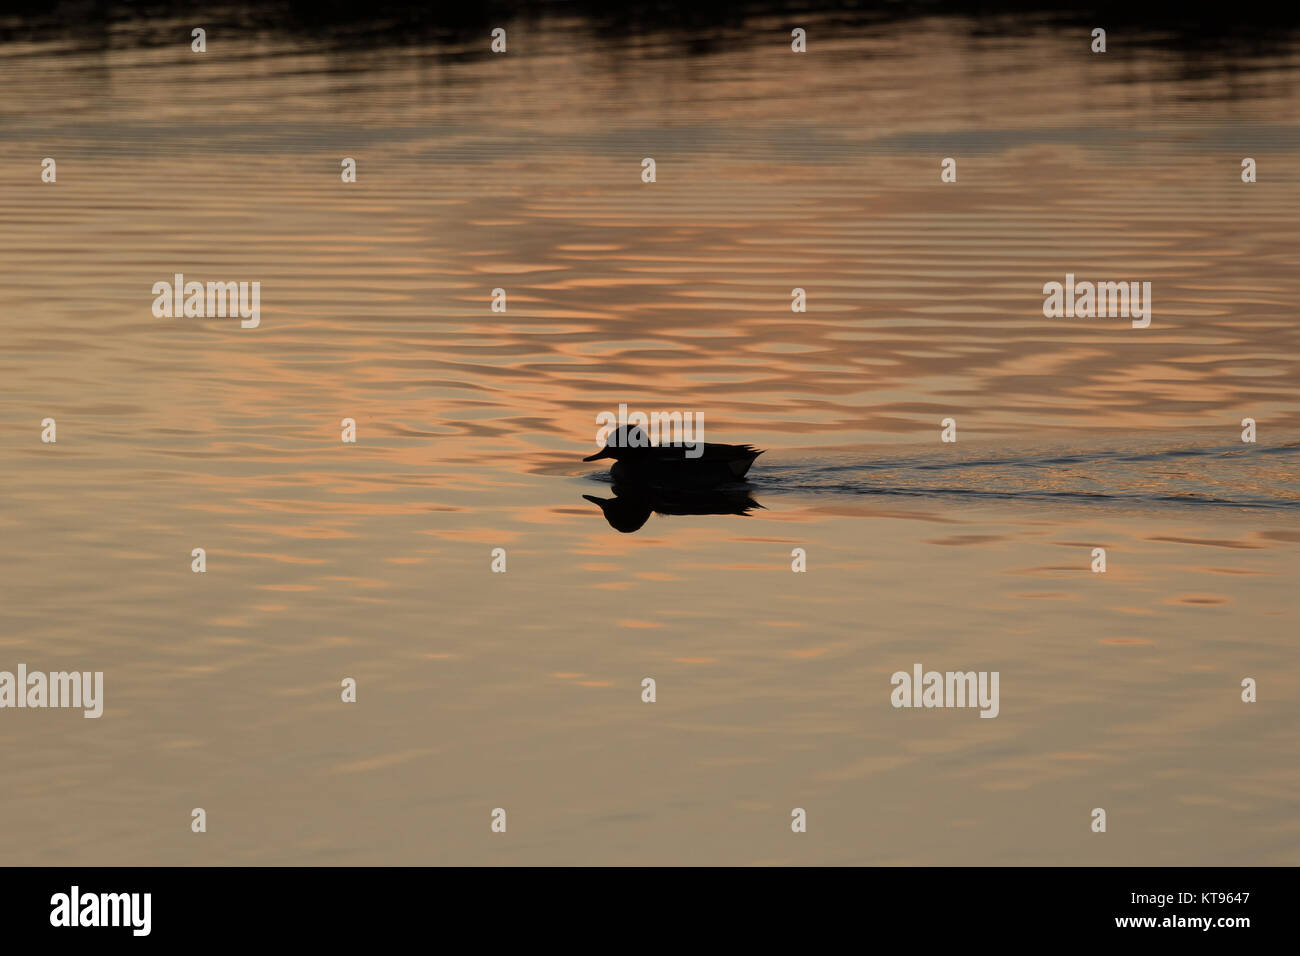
697,466
631,507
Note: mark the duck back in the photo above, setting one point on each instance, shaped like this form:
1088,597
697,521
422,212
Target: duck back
670,466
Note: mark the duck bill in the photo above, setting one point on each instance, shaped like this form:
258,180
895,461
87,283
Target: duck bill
603,453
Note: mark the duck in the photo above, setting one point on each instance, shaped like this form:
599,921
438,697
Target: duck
637,462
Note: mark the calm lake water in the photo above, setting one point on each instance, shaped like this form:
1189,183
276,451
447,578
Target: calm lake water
522,690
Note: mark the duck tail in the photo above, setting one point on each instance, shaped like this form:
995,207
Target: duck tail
746,458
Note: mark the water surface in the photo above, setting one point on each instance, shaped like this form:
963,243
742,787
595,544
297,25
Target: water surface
522,690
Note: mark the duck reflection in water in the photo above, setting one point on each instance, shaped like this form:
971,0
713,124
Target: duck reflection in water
632,505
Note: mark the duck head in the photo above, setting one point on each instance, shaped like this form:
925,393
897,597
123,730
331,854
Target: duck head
626,441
